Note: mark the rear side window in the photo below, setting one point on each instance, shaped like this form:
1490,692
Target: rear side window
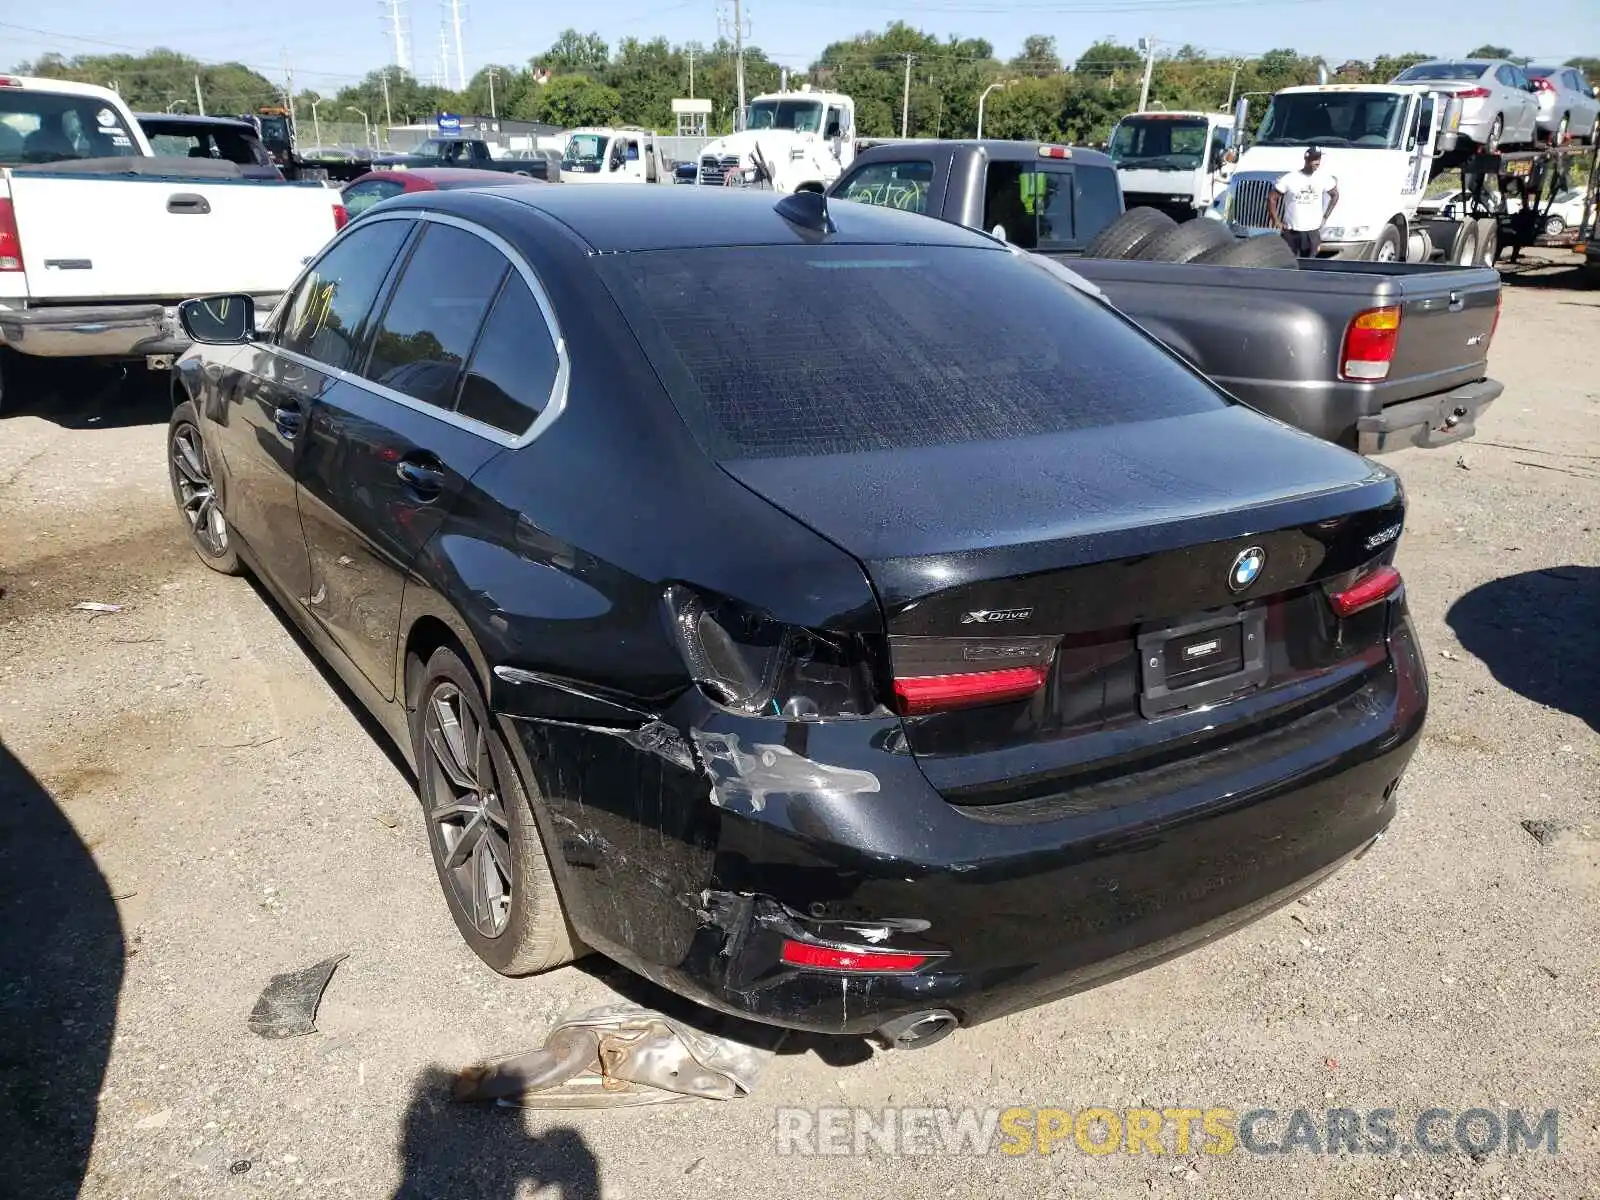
787,351
902,185
434,314
513,369
359,197
328,313
1034,206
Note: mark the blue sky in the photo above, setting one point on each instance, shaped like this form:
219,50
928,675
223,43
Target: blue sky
330,42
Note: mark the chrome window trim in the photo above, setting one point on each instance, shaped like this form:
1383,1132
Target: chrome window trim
554,406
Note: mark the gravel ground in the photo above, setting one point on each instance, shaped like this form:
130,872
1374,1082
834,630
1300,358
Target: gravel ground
235,817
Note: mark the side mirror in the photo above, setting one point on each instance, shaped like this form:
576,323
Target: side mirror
219,320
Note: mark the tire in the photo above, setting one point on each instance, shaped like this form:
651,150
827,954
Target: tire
1263,250
1388,246
502,896
1560,138
1554,226
194,490
1124,237
1463,251
1488,241
1186,242
1491,144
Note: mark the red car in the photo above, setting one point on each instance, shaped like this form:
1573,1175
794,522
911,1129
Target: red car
362,193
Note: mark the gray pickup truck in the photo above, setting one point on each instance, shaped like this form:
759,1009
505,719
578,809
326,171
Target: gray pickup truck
1373,356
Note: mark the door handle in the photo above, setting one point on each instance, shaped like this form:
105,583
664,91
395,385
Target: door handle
286,418
188,203
423,477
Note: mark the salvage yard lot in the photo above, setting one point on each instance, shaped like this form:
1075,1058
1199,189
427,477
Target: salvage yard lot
243,820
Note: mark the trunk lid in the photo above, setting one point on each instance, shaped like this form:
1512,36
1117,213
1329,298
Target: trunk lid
1108,548
172,237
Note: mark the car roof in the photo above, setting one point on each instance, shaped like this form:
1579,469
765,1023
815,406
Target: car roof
999,149
195,121
623,217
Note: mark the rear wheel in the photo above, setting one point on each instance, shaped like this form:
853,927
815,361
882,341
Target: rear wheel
1463,250
1560,138
1187,242
1554,226
194,488
486,845
1488,241
1129,233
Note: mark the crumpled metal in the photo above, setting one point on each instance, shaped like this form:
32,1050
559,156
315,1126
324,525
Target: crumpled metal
618,1055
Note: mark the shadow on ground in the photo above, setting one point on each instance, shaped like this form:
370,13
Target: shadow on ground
1533,273
61,962
78,394
453,1149
1539,634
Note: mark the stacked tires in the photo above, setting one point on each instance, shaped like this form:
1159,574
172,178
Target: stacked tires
1150,235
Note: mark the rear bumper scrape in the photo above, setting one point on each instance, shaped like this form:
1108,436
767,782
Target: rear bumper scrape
1429,422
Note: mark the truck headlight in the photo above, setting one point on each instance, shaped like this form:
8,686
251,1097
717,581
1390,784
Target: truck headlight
1347,233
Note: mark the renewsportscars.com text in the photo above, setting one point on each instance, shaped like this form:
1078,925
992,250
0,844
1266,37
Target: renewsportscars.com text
845,1131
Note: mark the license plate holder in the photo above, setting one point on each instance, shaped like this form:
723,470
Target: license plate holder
1197,662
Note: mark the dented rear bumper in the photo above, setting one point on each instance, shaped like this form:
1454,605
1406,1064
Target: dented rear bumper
688,850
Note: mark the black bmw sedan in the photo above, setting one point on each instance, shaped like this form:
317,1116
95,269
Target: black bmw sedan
827,613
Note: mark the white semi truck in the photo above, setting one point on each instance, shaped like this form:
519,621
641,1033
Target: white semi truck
789,141
607,155
1173,161
1384,143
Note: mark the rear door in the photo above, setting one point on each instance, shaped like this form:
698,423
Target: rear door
102,237
392,444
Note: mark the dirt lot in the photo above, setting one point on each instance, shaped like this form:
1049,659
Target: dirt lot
236,817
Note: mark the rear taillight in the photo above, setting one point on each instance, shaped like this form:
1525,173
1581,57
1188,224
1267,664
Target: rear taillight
1375,586
817,957
341,217
748,662
1477,93
1543,85
10,239
1369,344
935,674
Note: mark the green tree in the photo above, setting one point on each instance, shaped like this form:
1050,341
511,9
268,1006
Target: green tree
1039,56
573,100
409,100
1487,51
575,52
511,85
1386,66
1588,64
1110,63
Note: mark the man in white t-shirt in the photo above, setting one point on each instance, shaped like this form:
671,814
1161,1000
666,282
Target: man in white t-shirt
1300,202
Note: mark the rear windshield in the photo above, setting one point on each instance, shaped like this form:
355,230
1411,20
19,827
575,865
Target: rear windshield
1444,70
46,127
787,351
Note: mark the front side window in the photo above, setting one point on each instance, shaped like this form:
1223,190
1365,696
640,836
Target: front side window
328,315
1033,206
513,369
902,185
434,314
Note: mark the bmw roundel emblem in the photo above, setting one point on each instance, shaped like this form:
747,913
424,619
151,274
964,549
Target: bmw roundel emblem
1246,568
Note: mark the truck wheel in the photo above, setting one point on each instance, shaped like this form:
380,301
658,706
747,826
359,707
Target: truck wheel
1488,241
1128,233
1463,250
1264,250
1187,242
1388,246
1560,138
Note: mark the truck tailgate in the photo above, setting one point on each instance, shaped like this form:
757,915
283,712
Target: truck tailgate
1446,317
87,237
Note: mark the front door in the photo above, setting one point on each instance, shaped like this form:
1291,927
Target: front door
386,455
259,433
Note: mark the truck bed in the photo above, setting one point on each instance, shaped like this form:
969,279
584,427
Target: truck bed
1273,337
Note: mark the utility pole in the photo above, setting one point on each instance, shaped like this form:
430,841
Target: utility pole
738,57
905,100
388,113
199,100
691,72
493,116
394,14
1148,45
1232,85
444,56
461,62
288,91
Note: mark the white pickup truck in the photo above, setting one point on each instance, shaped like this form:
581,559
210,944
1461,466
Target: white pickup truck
100,239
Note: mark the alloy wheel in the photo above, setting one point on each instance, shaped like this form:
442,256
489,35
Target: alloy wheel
191,475
466,810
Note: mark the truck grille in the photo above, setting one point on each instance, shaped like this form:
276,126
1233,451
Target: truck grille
715,170
1247,205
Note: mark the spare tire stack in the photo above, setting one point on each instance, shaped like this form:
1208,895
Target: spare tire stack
1150,235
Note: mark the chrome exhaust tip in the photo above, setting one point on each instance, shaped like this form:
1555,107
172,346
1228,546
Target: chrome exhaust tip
917,1030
